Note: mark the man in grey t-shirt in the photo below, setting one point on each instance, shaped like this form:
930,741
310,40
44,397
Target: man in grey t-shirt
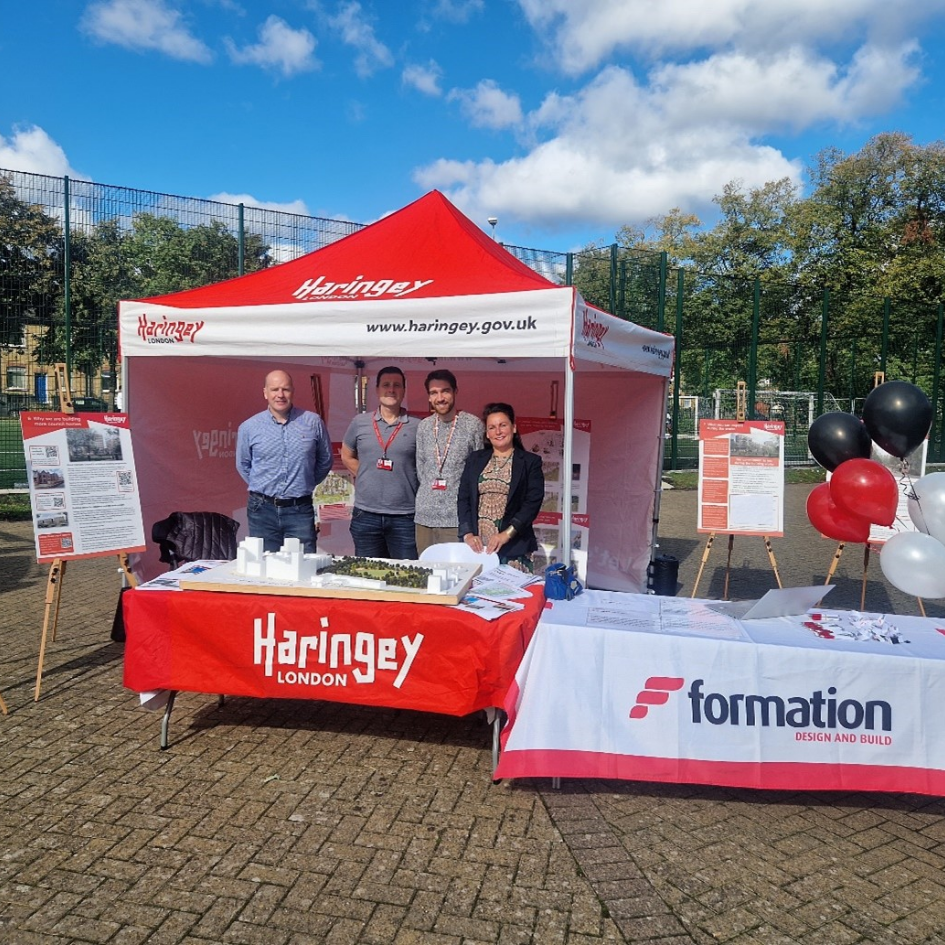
444,440
379,449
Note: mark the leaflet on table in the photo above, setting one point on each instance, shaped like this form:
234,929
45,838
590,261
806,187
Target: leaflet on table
510,575
497,589
694,618
83,485
486,608
170,580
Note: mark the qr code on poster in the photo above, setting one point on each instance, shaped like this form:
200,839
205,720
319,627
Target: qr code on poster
126,481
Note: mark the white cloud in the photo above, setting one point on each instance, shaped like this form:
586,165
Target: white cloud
584,33
424,79
791,89
248,200
356,31
622,149
280,48
457,11
32,150
144,25
487,106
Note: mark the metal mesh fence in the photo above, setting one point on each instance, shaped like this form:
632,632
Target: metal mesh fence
70,250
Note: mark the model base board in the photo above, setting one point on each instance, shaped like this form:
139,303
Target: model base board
367,579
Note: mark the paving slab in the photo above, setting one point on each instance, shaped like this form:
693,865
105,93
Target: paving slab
283,821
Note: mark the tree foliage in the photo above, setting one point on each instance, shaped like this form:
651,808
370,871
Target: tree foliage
871,227
30,264
109,261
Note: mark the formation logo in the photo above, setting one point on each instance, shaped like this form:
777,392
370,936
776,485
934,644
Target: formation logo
825,710
655,691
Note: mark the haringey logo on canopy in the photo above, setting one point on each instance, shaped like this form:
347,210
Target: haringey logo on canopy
661,353
593,330
358,288
165,331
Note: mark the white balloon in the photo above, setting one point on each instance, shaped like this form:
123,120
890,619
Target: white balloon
927,509
915,563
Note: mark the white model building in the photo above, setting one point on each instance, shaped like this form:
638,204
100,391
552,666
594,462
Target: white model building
287,564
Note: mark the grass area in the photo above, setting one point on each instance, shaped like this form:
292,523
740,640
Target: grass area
688,478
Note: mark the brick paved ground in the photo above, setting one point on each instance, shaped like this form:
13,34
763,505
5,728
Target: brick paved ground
288,822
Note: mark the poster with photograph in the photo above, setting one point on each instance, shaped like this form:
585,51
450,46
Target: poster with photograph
83,484
741,477
545,436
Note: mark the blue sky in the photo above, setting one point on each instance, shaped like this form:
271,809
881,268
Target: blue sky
565,119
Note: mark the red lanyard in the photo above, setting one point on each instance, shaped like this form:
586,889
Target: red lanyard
436,443
384,446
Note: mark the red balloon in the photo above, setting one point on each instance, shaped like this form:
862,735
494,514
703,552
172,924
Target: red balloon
832,521
865,488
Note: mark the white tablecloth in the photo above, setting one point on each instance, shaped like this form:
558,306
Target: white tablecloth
663,689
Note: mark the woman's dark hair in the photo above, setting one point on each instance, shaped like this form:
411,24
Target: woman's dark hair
499,407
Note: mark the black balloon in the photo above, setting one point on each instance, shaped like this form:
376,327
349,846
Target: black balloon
898,416
836,437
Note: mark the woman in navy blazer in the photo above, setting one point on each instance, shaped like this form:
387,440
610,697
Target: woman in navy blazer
501,491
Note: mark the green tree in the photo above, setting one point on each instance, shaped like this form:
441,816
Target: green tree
167,257
30,264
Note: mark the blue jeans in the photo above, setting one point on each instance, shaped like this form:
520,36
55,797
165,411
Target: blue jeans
273,525
383,536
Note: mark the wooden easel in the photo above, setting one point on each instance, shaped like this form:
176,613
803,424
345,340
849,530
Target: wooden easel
866,563
728,562
741,405
57,570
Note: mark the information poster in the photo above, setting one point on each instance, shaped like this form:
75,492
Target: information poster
741,477
545,436
83,485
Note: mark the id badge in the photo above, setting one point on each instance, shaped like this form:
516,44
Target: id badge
386,464
439,485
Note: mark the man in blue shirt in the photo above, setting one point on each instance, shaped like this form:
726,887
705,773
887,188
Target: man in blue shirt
283,453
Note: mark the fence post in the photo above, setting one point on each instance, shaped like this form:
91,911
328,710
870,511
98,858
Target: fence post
241,243
852,390
613,278
622,291
882,359
67,277
677,371
936,444
822,371
569,269
753,350
661,298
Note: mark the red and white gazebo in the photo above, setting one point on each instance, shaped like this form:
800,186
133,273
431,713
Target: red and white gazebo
420,287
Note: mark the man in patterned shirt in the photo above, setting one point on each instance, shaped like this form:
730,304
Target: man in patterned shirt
444,440
283,453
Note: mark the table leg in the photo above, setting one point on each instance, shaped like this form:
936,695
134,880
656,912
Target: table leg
165,720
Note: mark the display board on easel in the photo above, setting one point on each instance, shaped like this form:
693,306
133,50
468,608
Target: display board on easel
83,493
741,483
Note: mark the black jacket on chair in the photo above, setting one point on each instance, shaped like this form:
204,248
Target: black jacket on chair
526,493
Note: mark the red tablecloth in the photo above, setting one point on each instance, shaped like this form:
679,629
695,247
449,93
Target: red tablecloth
412,656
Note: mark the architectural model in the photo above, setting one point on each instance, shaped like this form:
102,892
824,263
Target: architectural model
290,565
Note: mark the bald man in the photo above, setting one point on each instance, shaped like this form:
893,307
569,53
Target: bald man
283,453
